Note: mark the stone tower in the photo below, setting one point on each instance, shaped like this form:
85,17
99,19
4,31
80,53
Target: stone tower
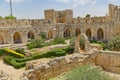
53,16
114,12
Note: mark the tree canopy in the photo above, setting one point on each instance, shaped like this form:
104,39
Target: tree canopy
88,16
10,17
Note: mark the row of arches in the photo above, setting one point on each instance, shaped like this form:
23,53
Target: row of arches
17,38
88,32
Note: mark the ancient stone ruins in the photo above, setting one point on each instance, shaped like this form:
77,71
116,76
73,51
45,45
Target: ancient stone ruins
61,23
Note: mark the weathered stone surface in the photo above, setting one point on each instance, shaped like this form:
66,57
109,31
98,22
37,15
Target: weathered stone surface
53,67
3,75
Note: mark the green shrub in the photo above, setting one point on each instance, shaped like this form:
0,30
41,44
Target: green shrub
53,53
114,43
24,59
20,50
58,40
43,35
35,43
16,64
69,50
10,17
81,42
72,42
14,53
87,72
7,59
2,51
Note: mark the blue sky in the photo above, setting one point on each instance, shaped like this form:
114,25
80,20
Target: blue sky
30,9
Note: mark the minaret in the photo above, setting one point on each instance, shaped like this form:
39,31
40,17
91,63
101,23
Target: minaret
11,14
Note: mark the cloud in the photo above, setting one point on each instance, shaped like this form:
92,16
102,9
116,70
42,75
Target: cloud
63,1
17,0
76,3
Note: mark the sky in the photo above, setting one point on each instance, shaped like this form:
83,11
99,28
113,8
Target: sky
34,9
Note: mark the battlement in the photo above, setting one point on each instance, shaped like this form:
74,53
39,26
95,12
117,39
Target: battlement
64,16
18,22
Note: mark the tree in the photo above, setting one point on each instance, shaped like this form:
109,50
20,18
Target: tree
1,17
10,17
88,16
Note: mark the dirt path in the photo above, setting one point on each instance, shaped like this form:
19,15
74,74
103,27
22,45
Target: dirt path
114,76
13,73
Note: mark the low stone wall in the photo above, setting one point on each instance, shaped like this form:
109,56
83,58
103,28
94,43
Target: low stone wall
108,60
53,67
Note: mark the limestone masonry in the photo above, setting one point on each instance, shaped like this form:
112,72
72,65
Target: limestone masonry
61,23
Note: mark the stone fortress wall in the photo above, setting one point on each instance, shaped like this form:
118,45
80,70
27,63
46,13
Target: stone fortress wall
61,23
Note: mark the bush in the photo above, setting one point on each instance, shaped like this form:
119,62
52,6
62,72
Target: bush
53,53
72,42
43,36
10,17
24,59
58,40
81,42
20,50
2,51
15,62
7,59
69,50
114,43
35,43
14,53
87,72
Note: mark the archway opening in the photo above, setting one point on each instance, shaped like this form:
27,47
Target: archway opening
77,32
88,33
17,37
30,35
100,34
50,34
67,33
1,40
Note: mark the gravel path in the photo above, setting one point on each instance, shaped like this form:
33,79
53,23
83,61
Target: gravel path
13,73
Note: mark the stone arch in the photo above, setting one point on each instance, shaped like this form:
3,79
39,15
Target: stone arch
50,34
1,39
88,33
17,38
67,33
31,35
77,31
100,34
77,46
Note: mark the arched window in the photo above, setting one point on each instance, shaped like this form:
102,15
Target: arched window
100,34
30,35
17,37
67,33
50,34
88,33
77,32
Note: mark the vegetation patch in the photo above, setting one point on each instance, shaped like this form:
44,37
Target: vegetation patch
2,51
14,53
114,43
38,43
87,72
21,62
